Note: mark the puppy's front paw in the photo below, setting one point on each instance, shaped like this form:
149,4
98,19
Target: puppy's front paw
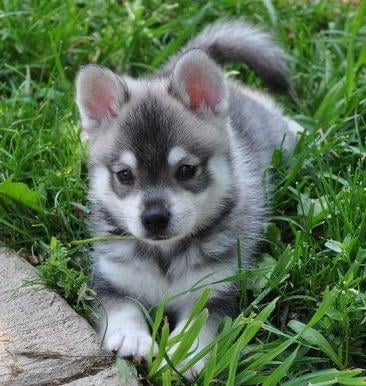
129,343
193,372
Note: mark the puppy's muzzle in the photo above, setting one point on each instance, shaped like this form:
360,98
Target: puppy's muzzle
155,219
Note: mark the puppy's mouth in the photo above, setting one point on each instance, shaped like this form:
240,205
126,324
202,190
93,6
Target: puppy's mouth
161,239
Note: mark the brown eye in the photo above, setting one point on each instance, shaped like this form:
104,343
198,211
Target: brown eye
125,176
186,172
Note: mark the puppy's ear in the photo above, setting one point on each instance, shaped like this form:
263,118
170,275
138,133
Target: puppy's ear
200,83
100,94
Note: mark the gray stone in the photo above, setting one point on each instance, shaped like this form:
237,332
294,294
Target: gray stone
103,378
42,339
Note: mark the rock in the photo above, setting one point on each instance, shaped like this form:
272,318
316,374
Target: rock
42,339
103,378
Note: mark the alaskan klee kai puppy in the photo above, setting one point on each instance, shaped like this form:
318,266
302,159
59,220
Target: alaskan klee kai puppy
177,161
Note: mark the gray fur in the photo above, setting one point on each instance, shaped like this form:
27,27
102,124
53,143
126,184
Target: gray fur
227,131
235,41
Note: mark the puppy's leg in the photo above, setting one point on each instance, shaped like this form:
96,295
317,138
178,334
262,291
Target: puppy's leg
293,131
206,336
294,127
126,331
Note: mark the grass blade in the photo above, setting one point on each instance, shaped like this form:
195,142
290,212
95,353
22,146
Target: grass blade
315,338
210,367
281,370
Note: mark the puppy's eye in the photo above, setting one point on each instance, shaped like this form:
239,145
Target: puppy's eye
186,172
125,176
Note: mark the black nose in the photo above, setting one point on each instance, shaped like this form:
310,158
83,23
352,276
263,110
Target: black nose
155,219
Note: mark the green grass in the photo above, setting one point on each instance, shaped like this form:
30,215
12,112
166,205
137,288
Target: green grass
304,307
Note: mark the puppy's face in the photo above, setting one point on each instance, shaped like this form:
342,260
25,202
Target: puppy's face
160,161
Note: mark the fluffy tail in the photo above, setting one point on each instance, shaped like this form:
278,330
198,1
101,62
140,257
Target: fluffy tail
235,41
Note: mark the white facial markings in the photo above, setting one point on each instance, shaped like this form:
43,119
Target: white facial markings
176,154
207,201
129,159
190,210
131,207
183,211
100,185
127,210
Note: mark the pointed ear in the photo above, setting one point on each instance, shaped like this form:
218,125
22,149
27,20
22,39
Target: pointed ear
200,83
100,93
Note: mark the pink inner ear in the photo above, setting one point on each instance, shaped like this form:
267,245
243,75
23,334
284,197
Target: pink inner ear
201,90
102,100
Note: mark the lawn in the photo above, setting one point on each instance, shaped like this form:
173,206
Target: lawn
304,307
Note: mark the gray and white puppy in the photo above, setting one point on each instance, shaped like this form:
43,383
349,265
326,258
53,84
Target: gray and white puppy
176,160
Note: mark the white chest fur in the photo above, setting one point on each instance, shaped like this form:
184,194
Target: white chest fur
145,281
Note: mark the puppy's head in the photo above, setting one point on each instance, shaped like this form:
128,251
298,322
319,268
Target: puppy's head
159,148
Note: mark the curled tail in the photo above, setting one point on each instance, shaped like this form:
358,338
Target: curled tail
235,41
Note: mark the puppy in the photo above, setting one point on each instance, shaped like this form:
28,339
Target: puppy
177,161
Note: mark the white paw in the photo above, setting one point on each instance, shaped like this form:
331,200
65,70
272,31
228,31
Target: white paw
192,372
133,343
